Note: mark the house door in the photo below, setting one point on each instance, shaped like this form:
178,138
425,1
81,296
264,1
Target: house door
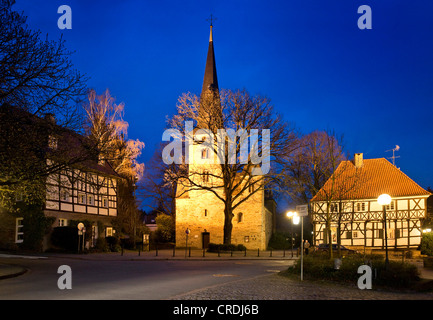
205,236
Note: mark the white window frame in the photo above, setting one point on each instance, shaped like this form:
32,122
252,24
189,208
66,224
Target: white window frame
104,202
19,234
81,198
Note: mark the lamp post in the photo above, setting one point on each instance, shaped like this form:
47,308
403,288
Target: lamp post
295,220
384,200
291,215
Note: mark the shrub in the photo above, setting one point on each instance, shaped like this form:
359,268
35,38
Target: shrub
113,244
212,247
65,238
427,244
319,267
279,241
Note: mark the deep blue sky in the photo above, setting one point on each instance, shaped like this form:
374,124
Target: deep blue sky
309,57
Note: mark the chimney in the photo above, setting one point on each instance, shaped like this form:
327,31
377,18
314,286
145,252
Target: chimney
358,160
50,118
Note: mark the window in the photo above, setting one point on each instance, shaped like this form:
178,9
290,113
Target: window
64,195
390,206
379,234
19,196
333,207
205,176
52,142
81,198
360,206
105,202
90,200
63,222
251,188
240,216
109,232
205,154
19,234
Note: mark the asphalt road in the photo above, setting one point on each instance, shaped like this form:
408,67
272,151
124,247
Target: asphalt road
129,280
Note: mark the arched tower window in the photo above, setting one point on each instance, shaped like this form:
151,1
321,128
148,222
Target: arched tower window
240,217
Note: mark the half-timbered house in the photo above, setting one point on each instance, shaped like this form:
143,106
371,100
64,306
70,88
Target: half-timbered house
72,183
347,206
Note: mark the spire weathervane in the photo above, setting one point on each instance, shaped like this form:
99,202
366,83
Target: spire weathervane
211,19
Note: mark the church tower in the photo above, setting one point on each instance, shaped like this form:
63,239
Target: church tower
200,214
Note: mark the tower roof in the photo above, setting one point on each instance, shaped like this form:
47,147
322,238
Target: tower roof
210,80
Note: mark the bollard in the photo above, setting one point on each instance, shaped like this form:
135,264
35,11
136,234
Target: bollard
156,250
258,252
204,252
174,250
231,253
270,253
218,251
189,252
245,252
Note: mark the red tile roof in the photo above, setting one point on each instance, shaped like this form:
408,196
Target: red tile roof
375,177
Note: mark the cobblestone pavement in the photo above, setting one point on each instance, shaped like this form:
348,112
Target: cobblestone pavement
276,287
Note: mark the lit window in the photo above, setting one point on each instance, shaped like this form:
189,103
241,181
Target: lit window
205,154
90,200
81,198
390,206
105,202
63,222
109,232
360,206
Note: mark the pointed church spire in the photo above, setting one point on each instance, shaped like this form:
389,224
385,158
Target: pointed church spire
210,80
210,113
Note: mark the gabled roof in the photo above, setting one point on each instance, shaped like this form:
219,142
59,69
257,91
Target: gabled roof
373,178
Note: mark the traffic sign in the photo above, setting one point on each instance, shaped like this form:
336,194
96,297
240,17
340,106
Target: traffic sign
302,210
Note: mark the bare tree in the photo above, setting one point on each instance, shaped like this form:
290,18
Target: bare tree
232,118
37,75
37,79
108,131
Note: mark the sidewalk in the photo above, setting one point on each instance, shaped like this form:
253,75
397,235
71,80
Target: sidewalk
182,254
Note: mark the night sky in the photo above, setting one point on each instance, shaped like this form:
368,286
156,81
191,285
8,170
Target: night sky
309,57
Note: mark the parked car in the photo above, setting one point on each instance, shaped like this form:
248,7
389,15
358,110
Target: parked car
325,248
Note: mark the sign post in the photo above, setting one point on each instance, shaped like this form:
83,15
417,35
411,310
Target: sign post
187,231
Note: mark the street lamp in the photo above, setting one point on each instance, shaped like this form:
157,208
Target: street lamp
292,215
384,200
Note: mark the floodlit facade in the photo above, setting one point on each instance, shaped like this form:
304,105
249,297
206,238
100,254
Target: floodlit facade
200,213
355,214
